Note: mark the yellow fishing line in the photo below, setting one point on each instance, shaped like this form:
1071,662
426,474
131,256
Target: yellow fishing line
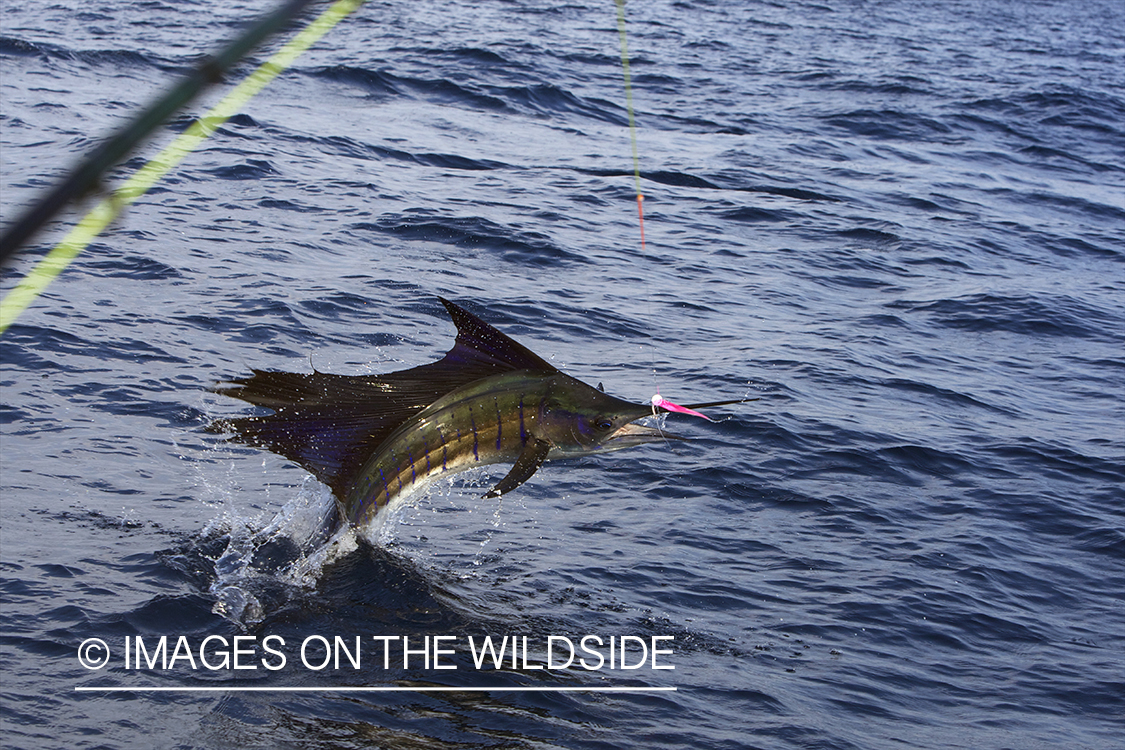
628,91
632,121
108,209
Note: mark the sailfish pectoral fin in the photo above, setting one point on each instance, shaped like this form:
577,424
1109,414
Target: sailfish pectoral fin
532,456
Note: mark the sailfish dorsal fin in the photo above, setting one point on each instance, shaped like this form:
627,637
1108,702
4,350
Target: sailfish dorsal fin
481,346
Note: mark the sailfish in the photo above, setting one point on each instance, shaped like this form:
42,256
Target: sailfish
374,439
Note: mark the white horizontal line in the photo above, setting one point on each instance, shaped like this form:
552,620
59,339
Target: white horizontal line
381,689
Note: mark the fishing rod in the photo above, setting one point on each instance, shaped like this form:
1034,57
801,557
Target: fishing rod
85,177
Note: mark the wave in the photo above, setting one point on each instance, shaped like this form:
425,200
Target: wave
473,232
106,58
1039,315
892,124
683,179
540,99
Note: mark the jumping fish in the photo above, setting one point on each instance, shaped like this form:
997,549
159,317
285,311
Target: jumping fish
374,439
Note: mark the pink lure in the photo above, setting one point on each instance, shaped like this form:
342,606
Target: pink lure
659,402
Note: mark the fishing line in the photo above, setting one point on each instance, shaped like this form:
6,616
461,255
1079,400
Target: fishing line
658,402
632,121
109,208
623,34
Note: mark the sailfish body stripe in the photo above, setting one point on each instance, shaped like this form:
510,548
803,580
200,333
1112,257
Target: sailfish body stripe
499,426
523,429
476,437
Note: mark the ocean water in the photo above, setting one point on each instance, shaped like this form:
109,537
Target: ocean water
899,226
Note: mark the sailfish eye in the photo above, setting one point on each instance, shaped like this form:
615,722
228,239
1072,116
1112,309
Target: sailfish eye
603,424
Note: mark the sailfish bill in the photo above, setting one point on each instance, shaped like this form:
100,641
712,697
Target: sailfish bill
376,438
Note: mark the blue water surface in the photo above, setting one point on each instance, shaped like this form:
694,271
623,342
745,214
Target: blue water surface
900,226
